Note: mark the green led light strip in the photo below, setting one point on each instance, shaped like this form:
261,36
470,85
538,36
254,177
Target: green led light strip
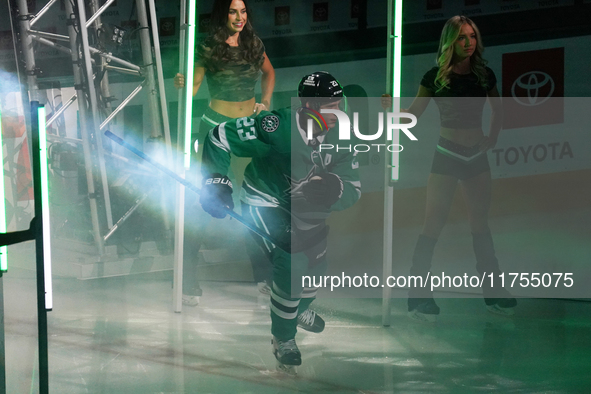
189,80
45,208
3,249
396,81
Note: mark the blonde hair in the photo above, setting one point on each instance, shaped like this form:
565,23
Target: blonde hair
449,35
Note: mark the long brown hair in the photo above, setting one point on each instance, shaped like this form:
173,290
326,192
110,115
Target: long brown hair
219,33
449,35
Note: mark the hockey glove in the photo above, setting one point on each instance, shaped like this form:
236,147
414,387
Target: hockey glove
216,195
323,190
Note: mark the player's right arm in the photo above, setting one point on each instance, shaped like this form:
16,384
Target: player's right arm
242,137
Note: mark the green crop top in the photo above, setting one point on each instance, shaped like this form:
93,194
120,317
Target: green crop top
235,78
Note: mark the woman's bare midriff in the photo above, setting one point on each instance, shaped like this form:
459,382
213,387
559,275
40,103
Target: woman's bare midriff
233,109
465,137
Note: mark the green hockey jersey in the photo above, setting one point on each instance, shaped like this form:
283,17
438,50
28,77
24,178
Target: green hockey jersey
283,159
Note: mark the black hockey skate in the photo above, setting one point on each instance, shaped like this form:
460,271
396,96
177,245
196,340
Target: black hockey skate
287,354
499,301
311,321
423,309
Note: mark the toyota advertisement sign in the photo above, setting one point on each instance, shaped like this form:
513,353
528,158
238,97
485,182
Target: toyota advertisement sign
530,79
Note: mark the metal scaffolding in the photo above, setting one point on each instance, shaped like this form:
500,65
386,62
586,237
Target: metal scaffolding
88,65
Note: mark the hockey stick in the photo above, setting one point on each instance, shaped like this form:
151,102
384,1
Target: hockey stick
191,187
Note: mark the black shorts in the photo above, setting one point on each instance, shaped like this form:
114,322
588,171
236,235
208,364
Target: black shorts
459,161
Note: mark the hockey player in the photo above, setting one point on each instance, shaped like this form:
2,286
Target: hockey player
289,190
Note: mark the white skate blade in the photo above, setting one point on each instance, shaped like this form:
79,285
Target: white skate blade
290,370
422,317
497,310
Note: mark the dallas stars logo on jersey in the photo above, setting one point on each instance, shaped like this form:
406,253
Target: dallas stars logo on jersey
270,123
295,186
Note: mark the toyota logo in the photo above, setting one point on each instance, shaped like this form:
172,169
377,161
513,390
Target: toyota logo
538,85
168,26
282,16
320,12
